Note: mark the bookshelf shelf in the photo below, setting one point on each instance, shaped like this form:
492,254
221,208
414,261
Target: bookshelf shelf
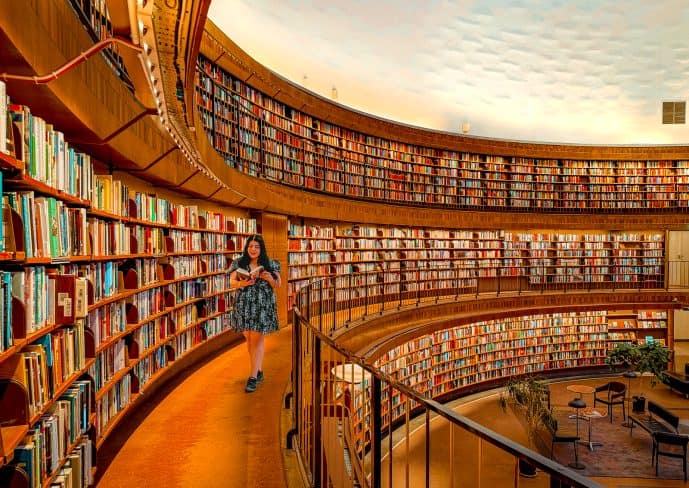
444,363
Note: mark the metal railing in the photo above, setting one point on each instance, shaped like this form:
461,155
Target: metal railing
331,304
339,400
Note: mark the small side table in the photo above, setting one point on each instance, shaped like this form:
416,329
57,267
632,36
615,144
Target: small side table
577,404
591,414
580,390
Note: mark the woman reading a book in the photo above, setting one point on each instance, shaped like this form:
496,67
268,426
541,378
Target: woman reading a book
256,277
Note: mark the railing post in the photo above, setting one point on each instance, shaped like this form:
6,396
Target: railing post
316,447
365,275
456,282
478,277
399,288
308,302
334,304
320,307
437,285
382,293
296,376
376,435
418,286
349,295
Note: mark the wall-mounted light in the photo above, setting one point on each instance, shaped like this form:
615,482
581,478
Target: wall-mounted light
466,127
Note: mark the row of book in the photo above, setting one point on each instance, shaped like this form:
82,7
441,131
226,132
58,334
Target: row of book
284,146
406,236
35,298
217,84
445,361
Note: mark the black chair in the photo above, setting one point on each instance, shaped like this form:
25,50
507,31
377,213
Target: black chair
663,444
563,437
612,393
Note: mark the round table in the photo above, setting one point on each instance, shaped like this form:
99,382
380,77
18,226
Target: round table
350,373
581,389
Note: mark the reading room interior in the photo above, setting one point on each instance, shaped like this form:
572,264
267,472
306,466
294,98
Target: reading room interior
348,245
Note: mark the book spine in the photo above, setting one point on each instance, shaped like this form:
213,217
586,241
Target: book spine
3,118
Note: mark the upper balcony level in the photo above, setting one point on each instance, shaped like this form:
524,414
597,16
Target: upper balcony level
266,127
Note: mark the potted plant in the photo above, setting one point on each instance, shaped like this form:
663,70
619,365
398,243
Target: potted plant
624,355
529,396
649,357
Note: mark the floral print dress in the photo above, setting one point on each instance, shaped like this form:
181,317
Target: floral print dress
255,307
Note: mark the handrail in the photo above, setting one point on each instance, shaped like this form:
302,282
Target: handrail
306,428
321,429
334,303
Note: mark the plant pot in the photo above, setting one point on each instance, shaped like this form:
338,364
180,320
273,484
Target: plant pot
526,469
638,404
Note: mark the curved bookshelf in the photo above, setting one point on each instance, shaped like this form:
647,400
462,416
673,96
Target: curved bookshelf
265,138
107,285
420,262
478,355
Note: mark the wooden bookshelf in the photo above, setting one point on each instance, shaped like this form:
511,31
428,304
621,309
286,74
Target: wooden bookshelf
446,362
263,137
108,282
418,261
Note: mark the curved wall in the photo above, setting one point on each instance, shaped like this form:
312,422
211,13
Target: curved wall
284,199
219,48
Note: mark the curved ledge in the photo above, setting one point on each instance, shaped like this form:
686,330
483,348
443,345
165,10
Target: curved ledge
371,337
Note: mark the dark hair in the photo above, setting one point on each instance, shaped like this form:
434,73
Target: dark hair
263,258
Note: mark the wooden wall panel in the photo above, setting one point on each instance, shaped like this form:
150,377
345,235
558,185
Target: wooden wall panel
274,232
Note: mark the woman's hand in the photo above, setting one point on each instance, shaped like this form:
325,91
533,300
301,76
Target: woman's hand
247,282
269,277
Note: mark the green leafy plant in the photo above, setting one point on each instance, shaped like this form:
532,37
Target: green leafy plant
649,357
624,355
530,395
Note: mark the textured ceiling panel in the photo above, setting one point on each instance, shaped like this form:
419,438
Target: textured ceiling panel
574,71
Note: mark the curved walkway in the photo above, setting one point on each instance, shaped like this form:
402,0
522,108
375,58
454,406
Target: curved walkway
202,430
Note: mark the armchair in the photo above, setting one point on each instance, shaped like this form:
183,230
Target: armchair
610,394
671,442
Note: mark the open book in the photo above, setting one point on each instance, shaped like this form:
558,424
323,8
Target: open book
243,274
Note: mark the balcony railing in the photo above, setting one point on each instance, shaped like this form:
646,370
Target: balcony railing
331,304
330,383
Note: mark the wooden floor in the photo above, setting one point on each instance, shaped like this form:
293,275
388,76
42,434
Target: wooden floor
204,431
207,432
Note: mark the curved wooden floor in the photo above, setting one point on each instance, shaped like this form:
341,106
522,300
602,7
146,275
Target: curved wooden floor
202,430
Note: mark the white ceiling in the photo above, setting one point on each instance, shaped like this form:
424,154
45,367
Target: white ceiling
576,71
